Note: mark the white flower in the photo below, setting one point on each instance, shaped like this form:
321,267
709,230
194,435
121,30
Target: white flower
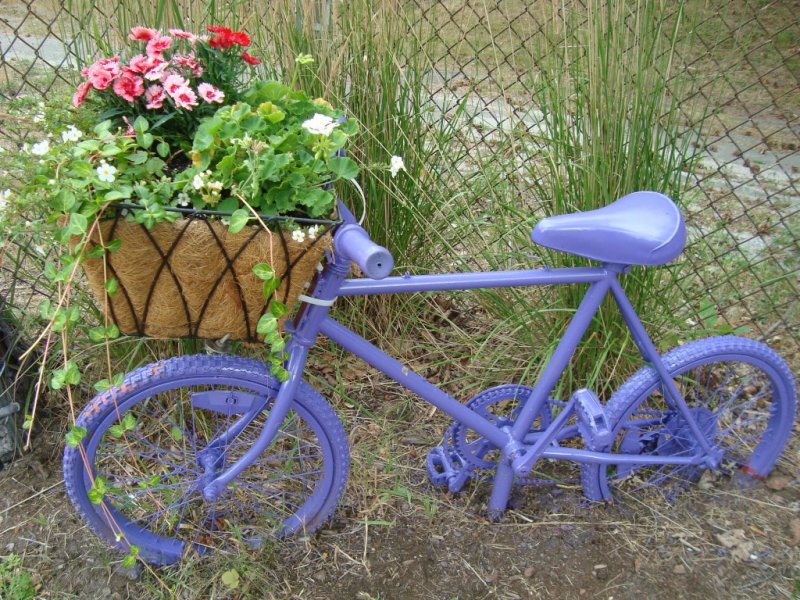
73,134
320,124
299,236
4,196
199,181
214,186
184,200
313,232
396,165
41,148
225,221
105,172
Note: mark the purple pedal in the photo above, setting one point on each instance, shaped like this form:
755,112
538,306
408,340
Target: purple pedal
592,420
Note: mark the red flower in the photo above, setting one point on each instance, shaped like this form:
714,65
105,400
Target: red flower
129,86
226,38
143,34
250,60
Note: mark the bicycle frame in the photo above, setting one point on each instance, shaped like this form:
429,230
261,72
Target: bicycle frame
519,456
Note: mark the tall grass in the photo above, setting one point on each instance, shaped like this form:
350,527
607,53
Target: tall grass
613,125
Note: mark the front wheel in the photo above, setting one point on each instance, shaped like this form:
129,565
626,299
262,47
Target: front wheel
151,445
740,393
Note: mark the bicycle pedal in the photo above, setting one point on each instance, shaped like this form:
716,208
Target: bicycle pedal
443,470
592,420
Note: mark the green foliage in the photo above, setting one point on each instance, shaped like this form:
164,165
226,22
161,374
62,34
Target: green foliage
15,582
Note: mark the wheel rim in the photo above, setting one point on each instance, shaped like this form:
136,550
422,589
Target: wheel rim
153,474
731,402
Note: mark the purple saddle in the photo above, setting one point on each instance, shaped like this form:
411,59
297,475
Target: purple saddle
642,228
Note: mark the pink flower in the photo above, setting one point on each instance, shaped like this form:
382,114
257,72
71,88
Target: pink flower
157,72
173,82
185,98
129,86
188,60
81,93
155,96
142,64
180,33
209,93
143,34
103,72
157,45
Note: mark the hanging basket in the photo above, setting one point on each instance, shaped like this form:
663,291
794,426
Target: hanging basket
193,278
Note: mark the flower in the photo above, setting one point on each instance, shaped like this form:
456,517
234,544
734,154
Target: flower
210,94
41,148
320,124
157,45
173,82
299,236
129,86
180,33
313,231
105,172
4,196
198,181
142,64
184,200
143,34
155,96
184,97
226,38
157,72
249,59
396,165
71,134
101,73
80,94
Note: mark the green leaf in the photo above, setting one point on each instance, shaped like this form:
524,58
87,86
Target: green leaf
343,167
114,245
122,193
58,379
74,436
266,324
238,220
176,434
116,431
163,149
278,309
72,374
98,490
129,422
77,224
97,334
112,287
279,372
130,559
270,287
118,379
231,579
140,125
264,271
102,385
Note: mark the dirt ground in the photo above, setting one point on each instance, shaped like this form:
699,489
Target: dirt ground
395,536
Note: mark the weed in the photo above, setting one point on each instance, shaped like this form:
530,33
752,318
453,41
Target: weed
15,581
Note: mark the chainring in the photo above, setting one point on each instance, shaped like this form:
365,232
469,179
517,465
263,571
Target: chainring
500,405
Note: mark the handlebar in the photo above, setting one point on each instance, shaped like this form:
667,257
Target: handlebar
354,244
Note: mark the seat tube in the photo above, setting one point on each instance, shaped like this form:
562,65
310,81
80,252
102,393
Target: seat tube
562,355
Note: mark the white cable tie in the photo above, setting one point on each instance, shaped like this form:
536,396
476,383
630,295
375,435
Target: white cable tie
315,301
363,201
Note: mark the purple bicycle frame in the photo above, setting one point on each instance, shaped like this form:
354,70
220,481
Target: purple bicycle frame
519,457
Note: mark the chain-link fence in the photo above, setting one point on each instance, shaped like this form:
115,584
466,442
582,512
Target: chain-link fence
742,56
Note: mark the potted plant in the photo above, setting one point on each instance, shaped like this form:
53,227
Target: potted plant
196,197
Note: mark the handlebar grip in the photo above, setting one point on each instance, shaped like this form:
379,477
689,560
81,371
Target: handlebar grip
354,243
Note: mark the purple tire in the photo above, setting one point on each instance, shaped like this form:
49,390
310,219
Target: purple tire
147,445
742,396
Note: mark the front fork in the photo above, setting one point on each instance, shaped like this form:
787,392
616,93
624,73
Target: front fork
304,333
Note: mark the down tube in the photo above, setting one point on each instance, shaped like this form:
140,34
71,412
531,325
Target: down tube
357,345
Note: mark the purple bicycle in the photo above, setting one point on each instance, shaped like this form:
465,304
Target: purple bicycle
205,451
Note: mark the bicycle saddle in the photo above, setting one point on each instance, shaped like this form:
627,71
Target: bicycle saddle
642,228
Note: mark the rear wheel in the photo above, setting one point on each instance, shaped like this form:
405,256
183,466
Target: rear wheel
152,444
740,393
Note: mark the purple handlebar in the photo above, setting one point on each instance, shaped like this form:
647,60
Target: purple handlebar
353,243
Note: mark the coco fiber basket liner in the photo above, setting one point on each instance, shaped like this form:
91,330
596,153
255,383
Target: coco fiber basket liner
193,278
